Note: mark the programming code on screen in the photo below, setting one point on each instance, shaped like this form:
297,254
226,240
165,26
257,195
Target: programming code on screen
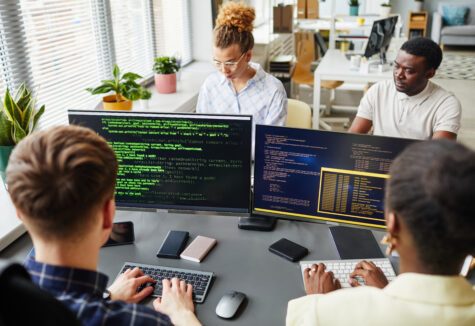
312,174
177,161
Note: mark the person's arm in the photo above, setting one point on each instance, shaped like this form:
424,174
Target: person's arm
202,103
360,126
177,303
277,113
444,134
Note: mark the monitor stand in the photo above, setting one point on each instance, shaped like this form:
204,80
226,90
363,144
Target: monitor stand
353,243
257,223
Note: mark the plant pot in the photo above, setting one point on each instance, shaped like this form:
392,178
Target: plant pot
344,46
5,152
110,103
418,5
385,11
165,84
354,10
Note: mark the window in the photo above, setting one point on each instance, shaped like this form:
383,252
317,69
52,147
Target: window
61,47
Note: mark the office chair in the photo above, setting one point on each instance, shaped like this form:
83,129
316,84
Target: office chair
299,114
24,303
304,76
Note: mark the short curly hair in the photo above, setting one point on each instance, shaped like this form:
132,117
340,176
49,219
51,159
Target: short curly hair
234,26
424,47
432,190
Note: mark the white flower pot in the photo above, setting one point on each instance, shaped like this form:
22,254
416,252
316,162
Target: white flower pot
385,11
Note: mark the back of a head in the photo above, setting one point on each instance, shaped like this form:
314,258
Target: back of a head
57,177
234,26
424,47
432,190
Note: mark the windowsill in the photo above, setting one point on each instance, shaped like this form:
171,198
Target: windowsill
11,227
184,100
189,81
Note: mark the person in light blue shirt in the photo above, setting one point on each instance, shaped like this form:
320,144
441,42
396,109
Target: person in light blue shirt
240,86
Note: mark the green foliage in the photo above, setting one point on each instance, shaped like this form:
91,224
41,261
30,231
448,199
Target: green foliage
353,3
165,65
124,85
17,116
386,4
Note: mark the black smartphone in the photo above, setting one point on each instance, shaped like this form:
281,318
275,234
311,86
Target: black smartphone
288,250
173,244
122,233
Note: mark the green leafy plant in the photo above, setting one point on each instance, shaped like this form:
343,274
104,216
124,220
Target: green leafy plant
165,65
124,85
386,4
17,116
353,3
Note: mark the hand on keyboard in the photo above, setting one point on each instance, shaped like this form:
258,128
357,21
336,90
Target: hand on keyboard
372,275
125,286
317,281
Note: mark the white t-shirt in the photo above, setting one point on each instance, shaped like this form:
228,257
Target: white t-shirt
396,114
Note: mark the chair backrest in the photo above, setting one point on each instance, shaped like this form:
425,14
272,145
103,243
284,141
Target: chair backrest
299,114
24,303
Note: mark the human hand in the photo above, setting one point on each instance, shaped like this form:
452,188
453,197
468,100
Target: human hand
316,280
125,286
177,302
372,274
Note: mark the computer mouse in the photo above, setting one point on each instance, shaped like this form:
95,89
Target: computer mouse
229,304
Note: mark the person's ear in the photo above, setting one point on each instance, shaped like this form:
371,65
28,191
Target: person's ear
108,213
392,224
248,55
18,214
430,73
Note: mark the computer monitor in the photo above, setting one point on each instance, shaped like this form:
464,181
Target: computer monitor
380,37
177,161
323,176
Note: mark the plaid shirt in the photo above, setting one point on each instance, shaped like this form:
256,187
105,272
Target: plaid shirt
263,97
81,290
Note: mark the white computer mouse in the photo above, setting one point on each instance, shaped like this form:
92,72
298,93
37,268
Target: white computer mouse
229,304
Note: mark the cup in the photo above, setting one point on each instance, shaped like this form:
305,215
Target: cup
355,61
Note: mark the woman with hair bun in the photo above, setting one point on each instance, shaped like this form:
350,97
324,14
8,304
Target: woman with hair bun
240,86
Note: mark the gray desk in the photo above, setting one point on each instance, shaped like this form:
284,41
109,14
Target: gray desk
240,260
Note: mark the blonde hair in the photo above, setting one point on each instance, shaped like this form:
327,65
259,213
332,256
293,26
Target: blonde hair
57,177
234,26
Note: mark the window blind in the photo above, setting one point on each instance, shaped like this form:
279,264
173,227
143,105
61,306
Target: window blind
61,47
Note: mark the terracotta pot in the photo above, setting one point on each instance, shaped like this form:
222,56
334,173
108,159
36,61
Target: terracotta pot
165,84
110,103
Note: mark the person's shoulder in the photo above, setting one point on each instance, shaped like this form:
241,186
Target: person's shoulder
443,96
271,82
213,80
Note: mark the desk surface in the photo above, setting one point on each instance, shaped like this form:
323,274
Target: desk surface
240,260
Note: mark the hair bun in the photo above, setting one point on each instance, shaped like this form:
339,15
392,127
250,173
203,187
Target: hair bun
236,14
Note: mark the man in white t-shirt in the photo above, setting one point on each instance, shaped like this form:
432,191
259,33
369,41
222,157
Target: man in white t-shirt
412,106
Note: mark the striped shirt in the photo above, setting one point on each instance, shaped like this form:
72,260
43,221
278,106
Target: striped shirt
263,97
81,290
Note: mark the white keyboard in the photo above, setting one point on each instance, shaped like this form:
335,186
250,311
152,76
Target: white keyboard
343,268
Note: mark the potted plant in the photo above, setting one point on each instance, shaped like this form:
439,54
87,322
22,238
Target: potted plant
125,88
385,8
165,69
354,5
418,5
17,120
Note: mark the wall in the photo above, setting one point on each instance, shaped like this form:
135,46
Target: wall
201,30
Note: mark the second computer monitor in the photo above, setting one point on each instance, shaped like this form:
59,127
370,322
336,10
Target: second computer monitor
380,37
315,175
177,161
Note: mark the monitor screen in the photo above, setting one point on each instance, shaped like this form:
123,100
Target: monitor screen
316,175
177,161
380,36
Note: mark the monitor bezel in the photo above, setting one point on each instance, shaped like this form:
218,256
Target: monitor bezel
316,218
182,208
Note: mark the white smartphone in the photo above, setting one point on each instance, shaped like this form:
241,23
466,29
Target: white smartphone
198,249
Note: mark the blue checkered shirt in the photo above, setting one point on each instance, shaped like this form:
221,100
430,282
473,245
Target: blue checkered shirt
263,97
81,290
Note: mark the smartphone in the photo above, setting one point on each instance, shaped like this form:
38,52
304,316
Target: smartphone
198,249
122,233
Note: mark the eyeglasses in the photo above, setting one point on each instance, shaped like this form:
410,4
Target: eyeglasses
229,66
